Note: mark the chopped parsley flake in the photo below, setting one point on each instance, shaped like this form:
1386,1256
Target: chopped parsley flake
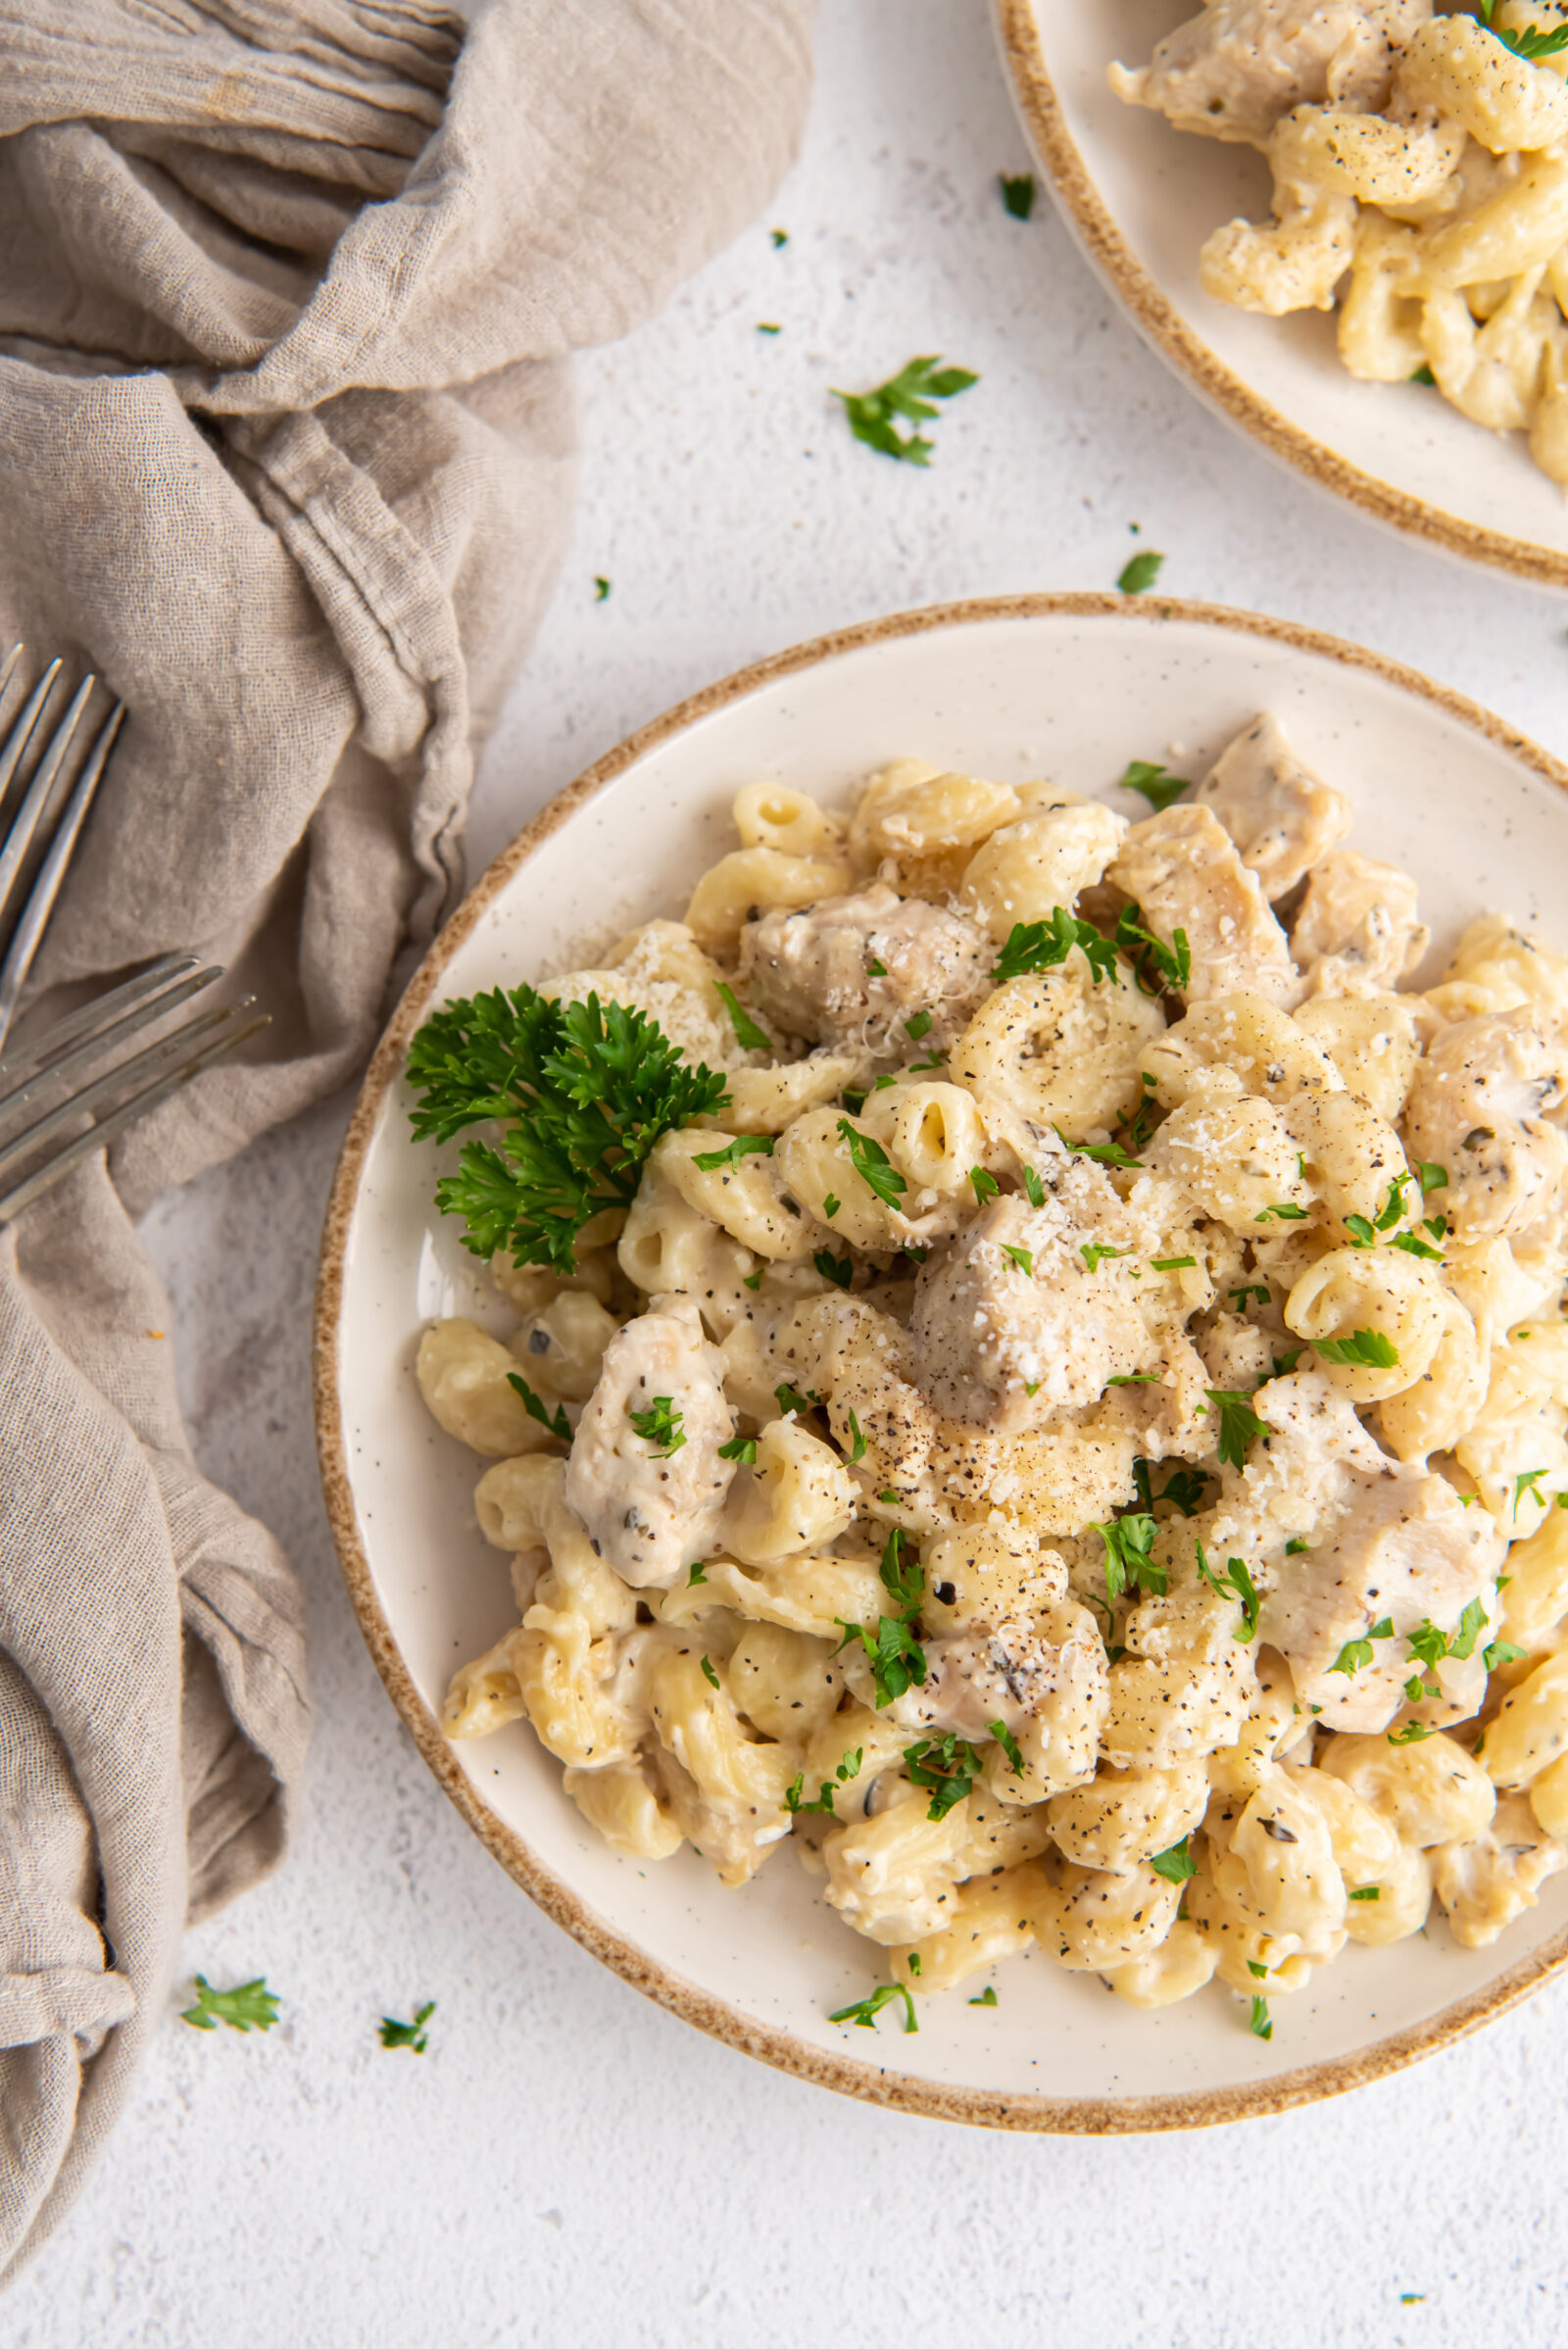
1235,1583
987,1997
847,1768
865,2011
1093,1252
744,1146
1129,1542
409,2035
698,1574
790,1399
1369,1348
1018,199
872,1164
840,1270
1038,946
1033,1189
1412,1734
555,1421
985,1185
1175,1264
659,1425
1260,2026
709,1674
1173,963
831,1206
858,1452
1527,1483
916,1026
1177,1864
1104,1154
1009,1746
747,1031
1281,1213
945,1768
600,590
1238,1423
1023,1257
1154,784
740,1448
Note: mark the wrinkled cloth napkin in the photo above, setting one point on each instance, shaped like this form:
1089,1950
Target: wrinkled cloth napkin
288,290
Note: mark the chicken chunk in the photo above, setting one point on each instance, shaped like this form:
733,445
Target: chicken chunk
1240,67
1401,1548
652,1504
851,970
1184,870
1356,932
1012,1324
1280,816
1384,1541
1480,1107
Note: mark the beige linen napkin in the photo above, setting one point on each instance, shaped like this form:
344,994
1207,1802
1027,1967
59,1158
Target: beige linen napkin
287,295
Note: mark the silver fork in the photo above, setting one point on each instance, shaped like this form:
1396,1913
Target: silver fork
54,1110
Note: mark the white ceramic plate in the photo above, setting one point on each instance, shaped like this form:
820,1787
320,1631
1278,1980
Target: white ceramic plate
1142,198
1068,687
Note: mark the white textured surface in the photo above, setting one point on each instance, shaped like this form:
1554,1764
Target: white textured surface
569,2165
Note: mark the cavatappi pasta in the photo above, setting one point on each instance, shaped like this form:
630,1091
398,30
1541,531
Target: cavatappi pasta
1076,1446
1420,167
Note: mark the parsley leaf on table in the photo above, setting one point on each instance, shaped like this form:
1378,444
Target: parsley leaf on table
249,2006
1140,573
409,2035
911,393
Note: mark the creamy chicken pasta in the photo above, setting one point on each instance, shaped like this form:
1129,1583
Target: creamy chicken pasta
1040,1380
1420,166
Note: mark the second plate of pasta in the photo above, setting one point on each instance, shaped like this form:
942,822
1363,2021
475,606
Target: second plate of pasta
941,1382
1446,287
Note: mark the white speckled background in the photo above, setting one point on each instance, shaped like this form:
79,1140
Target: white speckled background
567,2163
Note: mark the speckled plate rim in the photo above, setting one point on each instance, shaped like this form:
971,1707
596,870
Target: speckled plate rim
875,2083
1161,324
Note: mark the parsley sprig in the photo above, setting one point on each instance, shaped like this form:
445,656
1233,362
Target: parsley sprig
911,393
249,2006
581,1092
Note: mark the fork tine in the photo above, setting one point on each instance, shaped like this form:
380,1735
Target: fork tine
46,888
110,1128
185,981
21,734
39,1052
20,837
113,1079
8,667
